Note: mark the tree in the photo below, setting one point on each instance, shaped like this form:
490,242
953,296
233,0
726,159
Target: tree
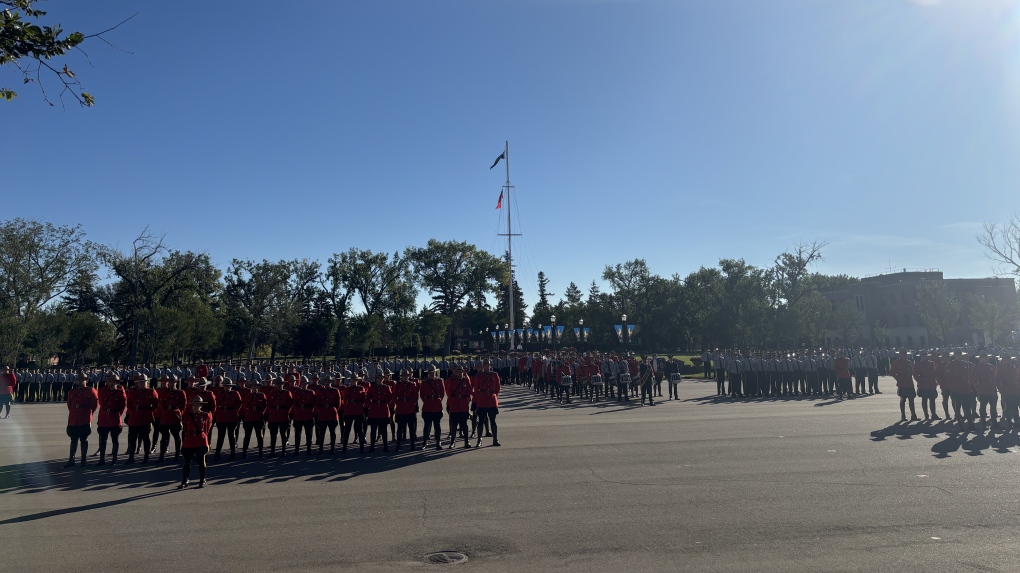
39,262
880,333
47,332
543,293
453,271
22,38
1002,243
939,311
573,295
846,321
990,317
153,279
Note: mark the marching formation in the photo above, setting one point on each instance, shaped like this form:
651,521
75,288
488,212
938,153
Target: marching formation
366,404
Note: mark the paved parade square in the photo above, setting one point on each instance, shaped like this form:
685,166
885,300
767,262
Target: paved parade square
699,484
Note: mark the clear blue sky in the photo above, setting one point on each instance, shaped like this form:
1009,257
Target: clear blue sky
680,132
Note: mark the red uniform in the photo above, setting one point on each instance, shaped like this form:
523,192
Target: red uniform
842,367
405,395
458,392
924,374
172,404
112,405
432,393
1006,379
487,390
208,401
982,378
327,404
280,405
8,384
141,405
255,405
81,404
304,404
201,371
228,409
355,400
903,371
561,371
958,377
380,398
197,427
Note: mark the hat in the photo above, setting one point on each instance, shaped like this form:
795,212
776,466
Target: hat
229,382
81,377
197,400
431,368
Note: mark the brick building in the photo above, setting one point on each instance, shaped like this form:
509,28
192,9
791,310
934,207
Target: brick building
889,300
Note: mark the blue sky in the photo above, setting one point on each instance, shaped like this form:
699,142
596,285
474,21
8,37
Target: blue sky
680,132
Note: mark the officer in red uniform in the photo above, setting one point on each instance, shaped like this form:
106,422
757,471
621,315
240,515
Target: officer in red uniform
327,412
142,401
172,404
1006,379
279,407
227,415
458,403
197,427
253,415
983,380
924,375
112,405
380,399
8,389
304,415
958,380
355,407
940,378
432,392
82,402
405,395
487,385
903,371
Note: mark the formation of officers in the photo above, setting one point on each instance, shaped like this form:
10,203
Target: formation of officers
976,385
365,404
821,372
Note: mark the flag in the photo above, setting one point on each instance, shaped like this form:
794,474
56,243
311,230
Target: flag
499,204
501,157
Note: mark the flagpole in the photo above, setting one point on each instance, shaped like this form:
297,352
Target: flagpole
509,245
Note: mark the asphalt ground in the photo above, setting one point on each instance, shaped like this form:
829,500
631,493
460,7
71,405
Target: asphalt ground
699,484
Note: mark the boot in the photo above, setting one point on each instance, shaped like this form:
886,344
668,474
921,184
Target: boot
70,463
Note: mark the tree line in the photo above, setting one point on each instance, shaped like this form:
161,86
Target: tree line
62,295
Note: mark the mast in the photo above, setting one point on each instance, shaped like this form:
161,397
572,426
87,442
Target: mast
509,248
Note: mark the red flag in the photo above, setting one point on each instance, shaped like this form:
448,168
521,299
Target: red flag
499,204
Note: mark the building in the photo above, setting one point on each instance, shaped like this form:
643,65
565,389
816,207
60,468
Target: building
889,301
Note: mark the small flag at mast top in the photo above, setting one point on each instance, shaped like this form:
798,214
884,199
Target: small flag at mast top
499,204
501,157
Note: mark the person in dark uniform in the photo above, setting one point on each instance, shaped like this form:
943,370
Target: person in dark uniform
197,427
645,378
82,402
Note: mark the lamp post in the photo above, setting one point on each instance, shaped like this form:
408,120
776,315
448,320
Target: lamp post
539,333
553,320
509,336
623,318
580,323
487,336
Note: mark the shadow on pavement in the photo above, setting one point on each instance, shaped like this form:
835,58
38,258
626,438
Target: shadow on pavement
954,437
40,477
